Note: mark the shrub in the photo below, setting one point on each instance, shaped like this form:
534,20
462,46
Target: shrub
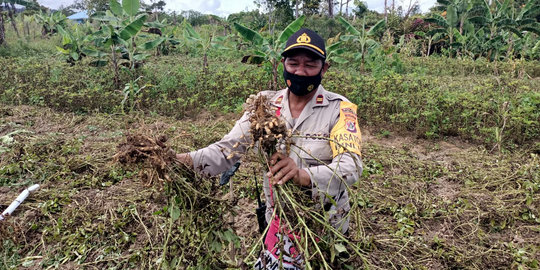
431,97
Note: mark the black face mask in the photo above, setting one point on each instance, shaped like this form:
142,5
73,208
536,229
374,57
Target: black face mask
302,85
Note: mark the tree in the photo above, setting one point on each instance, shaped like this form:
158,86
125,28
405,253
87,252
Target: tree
361,8
331,8
412,9
9,5
2,29
195,18
310,7
96,5
279,12
386,11
284,13
77,5
66,10
156,7
328,7
251,19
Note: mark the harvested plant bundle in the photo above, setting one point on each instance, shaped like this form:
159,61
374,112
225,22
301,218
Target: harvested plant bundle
194,208
153,153
268,129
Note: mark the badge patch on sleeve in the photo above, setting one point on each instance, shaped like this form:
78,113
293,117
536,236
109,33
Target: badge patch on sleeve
345,136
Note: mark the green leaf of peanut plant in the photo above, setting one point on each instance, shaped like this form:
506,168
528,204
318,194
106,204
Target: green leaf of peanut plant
174,211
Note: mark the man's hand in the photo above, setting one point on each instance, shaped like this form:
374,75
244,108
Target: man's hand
283,169
185,159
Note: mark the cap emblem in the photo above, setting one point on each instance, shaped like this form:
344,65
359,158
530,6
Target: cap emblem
304,38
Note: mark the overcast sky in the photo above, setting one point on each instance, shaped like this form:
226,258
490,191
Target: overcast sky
226,7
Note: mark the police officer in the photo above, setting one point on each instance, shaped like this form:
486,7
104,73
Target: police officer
326,155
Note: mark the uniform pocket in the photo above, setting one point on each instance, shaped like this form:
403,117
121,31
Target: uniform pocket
315,152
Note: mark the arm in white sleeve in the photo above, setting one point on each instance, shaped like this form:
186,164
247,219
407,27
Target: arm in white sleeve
212,160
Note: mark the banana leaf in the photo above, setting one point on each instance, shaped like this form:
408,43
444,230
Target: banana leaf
377,28
339,60
438,19
349,27
133,28
248,34
189,32
131,7
153,43
451,15
116,8
513,30
531,29
291,29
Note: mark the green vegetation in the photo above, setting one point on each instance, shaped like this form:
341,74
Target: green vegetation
448,102
464,99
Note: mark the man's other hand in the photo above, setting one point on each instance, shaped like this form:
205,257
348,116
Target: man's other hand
283,169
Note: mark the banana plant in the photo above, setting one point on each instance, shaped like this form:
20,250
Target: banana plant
501,23
72,43
502,17
115,42
269,49
26,20
528,46
334,49
166,39
195,40
10,6
364,38
50,22
433,36
464,42
457,12
453,22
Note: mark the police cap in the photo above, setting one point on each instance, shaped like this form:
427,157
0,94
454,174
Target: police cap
305,39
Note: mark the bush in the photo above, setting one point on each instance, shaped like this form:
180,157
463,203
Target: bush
472,108
432,97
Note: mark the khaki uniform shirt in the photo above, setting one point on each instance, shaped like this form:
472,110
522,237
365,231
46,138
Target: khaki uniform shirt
311,151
